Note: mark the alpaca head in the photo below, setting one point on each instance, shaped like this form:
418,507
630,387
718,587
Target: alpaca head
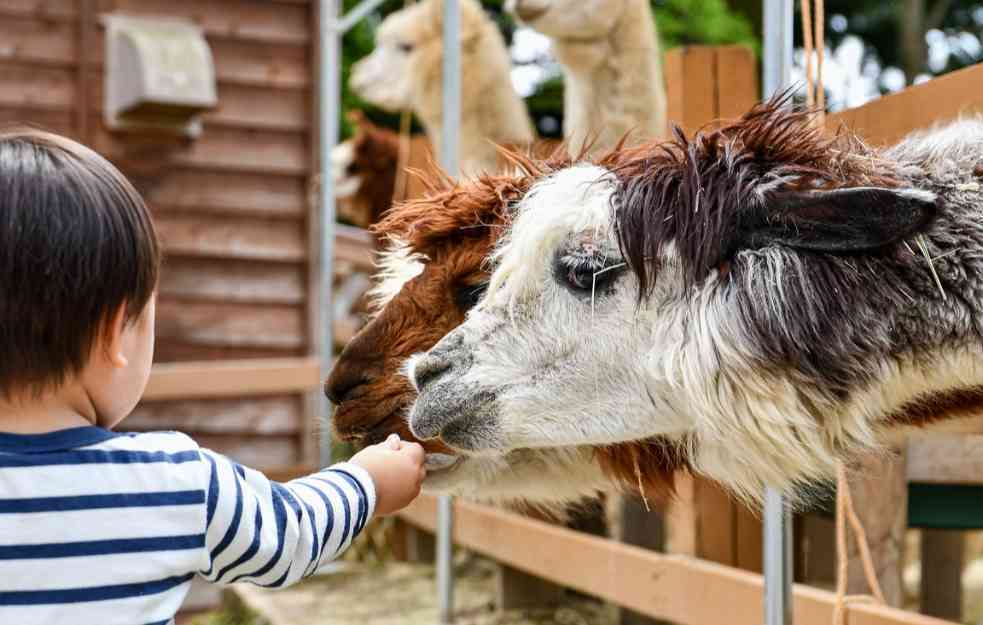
748,294
433,273
430,277
576,19
403,72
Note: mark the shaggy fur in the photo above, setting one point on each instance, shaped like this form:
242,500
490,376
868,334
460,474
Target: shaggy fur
612,65
364,170
432,274
404,72
788,318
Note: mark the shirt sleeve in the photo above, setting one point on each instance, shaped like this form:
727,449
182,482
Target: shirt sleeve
274,534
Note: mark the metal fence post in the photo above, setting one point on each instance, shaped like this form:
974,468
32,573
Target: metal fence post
778,24
329,98
449,160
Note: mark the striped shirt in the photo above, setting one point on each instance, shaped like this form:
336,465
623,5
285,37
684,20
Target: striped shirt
100,528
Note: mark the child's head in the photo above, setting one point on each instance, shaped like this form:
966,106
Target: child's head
78,271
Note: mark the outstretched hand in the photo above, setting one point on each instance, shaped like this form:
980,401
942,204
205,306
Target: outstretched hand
396,467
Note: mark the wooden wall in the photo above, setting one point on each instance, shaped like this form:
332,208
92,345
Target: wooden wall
231,206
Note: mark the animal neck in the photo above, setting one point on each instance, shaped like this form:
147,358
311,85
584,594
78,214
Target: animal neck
614,84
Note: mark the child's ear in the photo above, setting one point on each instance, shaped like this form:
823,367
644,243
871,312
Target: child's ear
112,338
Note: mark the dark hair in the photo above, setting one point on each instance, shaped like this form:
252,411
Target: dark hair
76,243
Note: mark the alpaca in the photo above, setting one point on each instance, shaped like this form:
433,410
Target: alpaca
612,66
770,300
404,72
364,169
429,278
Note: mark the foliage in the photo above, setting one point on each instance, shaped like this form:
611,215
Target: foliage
711,22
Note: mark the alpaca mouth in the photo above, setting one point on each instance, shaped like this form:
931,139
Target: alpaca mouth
435,462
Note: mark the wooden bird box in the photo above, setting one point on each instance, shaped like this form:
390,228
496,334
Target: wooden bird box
160,75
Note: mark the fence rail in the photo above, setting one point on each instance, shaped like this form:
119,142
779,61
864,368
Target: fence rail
676,588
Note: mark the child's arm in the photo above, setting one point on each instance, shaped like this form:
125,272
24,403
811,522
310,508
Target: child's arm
274,534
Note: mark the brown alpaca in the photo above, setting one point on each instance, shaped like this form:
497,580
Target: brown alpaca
455,227
365,171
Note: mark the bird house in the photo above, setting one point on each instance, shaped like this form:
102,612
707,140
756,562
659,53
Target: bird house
160,75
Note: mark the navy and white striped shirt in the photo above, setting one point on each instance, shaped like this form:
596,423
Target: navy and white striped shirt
100,528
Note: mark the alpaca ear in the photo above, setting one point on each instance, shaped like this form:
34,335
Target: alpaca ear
841,220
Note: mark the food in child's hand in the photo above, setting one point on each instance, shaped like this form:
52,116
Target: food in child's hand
397,470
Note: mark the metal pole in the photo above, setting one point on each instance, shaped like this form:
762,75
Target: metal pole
329,97
449,160
778,24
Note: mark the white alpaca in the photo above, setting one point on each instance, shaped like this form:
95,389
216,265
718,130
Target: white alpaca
404,72
612,63
751,295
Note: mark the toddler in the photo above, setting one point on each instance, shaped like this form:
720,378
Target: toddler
102,528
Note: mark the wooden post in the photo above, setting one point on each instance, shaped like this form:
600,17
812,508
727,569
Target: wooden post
634,524
942,566
411,544
880,497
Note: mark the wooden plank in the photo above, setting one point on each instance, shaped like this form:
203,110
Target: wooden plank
57,122
36,88
29,40
176,350
40,9
880,495
693,72
221,279
221,149
228,324
676,588
249,21
244,239
942,555
945,458
888,119
225,193
737,81
243,378
260,415
263,453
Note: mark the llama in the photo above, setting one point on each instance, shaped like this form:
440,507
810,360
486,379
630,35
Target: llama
770,300
430,277
612,65
364,169
404,72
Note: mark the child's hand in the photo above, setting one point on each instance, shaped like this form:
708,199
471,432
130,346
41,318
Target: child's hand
397,470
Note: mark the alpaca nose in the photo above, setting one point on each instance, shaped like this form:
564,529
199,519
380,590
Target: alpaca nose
341,382
428,369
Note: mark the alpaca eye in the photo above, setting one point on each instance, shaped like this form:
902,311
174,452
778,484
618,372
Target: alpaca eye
587,273
467,296
405,48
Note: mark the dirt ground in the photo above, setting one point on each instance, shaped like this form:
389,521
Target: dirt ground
392,594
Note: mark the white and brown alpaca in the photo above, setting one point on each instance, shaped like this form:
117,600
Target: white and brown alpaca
755,295
365,172
404,73
612,66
